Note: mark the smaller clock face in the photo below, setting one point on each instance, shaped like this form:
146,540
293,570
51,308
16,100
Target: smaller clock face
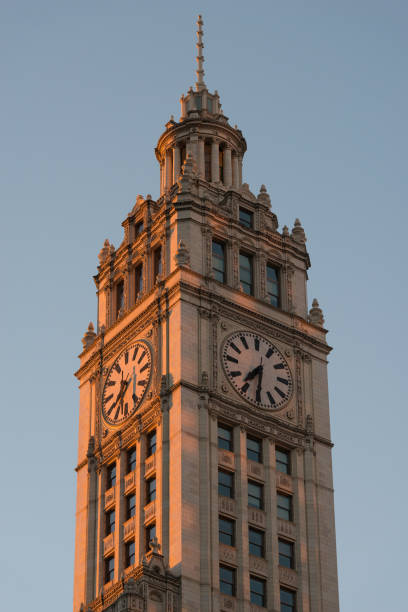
126,383
257,370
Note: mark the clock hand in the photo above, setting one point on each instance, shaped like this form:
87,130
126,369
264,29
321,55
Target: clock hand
259,387
252,374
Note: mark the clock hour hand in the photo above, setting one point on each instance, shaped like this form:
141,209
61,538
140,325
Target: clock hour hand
252,373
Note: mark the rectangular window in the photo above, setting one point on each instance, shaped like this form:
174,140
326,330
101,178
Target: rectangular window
283,461
151,443
225,484
226,531
157,263
109,522
227,580
246,218
254,449
207,161
256,542
150,490
286,554
221,162
272,285
255,494
218,261
119,297
257,591
129,554
138,281
287,600
131,459
130,506
209,105
245,273
139,227
109,569
225,437
284,507
111,476
150,535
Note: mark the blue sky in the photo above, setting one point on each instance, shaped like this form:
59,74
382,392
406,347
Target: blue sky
319,90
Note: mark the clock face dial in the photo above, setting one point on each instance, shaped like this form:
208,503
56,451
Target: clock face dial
257,370
126,383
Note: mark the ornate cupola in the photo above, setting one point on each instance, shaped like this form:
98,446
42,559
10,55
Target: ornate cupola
216,147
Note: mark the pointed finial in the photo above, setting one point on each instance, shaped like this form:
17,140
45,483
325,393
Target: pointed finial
200,57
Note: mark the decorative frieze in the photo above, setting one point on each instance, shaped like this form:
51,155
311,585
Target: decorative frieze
226,459
109,497
286,528
130,482
257,517
227,505
108,544
228,554
129,528
284,482
149,511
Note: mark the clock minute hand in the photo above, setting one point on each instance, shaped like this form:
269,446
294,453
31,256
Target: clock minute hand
259,387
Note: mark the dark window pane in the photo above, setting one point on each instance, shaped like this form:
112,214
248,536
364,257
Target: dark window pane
138,228
150,535
138,281
287,600
227,580
131,459
209,105
254,449
119,297
218,261
245,218
151,443
109,569
255,495
226,531
110,522
256,542
224,437
130,554
286,554
207,160
272,285
111,476
258,591
284,507
245,273
157,263
130,506
225,484
283,461
150,490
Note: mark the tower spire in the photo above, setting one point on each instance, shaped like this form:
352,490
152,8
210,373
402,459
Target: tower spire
200,57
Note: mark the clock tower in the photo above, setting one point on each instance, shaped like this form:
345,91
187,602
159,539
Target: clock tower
204,478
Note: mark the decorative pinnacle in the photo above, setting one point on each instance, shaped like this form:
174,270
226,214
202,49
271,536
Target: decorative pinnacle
200,57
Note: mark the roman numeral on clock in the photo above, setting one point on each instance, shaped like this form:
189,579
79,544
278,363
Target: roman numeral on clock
141,357
244,342
269,353
146,365
244,387
117,368
229,358
278,366
237,373
281,393
270,398
135,353
234,346
283,380
256,343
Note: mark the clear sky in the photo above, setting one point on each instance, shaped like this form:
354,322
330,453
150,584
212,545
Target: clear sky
319,89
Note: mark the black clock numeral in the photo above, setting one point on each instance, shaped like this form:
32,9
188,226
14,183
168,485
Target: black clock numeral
116,413
107,399
146,365
278,366
270,398
135,353
256,343
142,382
141,357
237,373
126,356
269,353
126,409
117,368
110,383
234,346
244,342
229,358
110,409
244,387
283,380
281,393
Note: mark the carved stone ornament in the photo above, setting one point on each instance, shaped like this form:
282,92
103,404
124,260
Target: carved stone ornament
316,314
89,336
298,233
182,256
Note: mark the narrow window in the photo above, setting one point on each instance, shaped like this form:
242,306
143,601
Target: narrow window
227,580
254,449
209,105
226,531
272,285
283,461
218,261
151,443
225,484
256,542
157,263
246,218
130,506
287,600
150,490
207,161
139,227
138,281
109,569
150,535
257,591
129,554
182,155
198,101
255,495
119,297
225,437
111,476
286,554
245,273
109,522
284,507
131,459
221,162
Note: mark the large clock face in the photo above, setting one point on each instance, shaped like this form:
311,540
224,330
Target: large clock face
126,383
257,370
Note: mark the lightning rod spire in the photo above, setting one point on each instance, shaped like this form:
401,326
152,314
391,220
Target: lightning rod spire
200,57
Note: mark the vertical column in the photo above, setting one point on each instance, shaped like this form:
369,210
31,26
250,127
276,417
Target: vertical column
271,553
169,169
176,163
215,161
241,497
239,171
227,167
165,488
161,178
159,482
205,508
301,545
183,106
91,549
200,161
214,502
100,529
139,512
120,514
312,529
235,171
